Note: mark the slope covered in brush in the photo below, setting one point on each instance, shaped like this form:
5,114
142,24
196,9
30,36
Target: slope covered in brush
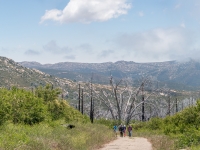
21,106
183,127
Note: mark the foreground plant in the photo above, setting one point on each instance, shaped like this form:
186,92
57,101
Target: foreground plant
53,135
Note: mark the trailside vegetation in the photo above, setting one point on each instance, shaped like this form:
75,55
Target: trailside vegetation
39,119
183,128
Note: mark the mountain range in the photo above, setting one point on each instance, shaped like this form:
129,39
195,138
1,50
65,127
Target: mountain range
181,75
14,74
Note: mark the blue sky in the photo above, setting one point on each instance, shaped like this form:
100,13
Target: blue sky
94,31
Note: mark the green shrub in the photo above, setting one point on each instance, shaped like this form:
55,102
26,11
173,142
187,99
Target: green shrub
57,109
139,125
155,124
183,126
5,111
26,108
72,114
5,106
21,106
189,138
106,122
47,93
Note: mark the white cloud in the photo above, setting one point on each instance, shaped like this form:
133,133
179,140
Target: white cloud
86,11
158,45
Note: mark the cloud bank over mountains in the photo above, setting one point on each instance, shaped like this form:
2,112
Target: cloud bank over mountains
158,44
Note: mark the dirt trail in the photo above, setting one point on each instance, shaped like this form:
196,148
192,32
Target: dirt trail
126,143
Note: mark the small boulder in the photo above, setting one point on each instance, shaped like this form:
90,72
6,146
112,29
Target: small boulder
70,126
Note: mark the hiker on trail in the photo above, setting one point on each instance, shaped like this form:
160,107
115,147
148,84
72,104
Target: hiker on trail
121,130
124,130
115,129
129,131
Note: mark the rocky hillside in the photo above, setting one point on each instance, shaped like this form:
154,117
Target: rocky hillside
13,74
172,73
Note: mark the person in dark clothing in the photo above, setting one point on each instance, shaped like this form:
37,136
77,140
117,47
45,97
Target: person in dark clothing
129,131
121,130
124,130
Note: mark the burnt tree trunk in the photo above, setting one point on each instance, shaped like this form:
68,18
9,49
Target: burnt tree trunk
79,98
82,102
176,105
143,119
91,105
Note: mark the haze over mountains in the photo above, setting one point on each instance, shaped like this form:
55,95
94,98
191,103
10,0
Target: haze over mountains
175,74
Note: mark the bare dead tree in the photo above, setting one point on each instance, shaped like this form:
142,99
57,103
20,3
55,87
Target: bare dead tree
122,101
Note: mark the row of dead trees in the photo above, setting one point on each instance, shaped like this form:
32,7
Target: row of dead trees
121,101
81,101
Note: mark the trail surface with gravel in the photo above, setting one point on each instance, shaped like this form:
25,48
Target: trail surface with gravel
126,143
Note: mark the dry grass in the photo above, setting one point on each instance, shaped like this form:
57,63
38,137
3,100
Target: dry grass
158,141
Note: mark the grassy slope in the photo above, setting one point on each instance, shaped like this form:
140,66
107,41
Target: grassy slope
51,136
22,127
